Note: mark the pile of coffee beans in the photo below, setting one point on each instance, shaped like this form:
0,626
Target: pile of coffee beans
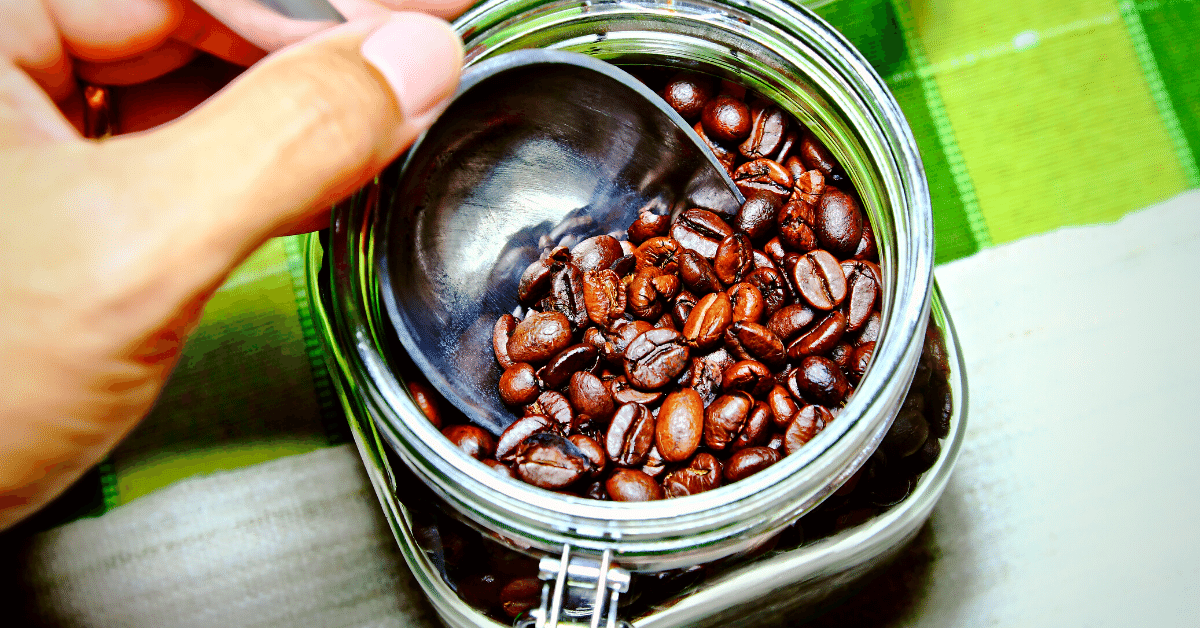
693,351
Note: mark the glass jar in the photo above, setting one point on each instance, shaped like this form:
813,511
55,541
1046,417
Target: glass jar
788,55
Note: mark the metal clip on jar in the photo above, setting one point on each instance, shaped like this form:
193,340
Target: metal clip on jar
589,548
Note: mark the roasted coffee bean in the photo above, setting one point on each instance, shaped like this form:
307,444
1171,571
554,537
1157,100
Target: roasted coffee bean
550,461
760,343
819,279
768,124
790,321
762,260
680,425
597,491
734,259
774,249
934,350
667,286
842,354
808,423
790,143
481,590
757,428
923,459
625,264
643,298
757,216
796,230
748,461
866,249
816,157
763,177
539,337
725,157
746,302
807,185
624,333
726,118
939,407
748,375
907,434
566,291
704,376
604,297
519,385
687,94
630,435
839,222
554,404
697,274
820,338
703,473
666,322
655,358
821,380
596,253
870,330
860,360
590,397
515,435
682,307
503,330
708,320
592,450
734,347
535,282
499,468
771,284
724,419
655,466
660,252
520,595
783,407
631,485
473,440
580,357
701,231
426,400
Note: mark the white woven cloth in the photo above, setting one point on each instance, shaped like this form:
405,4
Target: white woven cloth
1074,503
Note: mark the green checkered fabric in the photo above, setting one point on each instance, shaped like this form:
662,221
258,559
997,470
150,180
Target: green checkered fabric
1030,115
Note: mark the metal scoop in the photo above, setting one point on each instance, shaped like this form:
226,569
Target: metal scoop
537,149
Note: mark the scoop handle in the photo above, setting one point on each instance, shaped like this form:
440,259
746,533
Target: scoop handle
305,9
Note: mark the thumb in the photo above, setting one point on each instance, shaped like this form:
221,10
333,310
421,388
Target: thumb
305,127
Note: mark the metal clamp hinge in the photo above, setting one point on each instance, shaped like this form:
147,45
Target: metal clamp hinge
580,573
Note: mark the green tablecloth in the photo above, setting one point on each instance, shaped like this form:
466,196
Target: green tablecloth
1030,115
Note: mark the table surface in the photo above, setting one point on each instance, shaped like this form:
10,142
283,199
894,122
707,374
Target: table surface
238,501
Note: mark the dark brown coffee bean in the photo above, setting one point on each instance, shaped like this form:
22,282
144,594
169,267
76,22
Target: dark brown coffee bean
566,291
623,393
808,423
749,461
535,282
697,274
703,473
870,330
655,465
748,375
626,264
866,249
597,491
772,285
757,216
907,434
474,440
550,461
790,143
842,354
939,407
839,222
623,334
820,338
760,343
667,286
520,595
590,397
817,157
746,302
666,322
701,231
768,124
727,158
655,358
790,321
763,177
515,434
580,357
783,407
726,118
682,307
934,350
643,298
631,485
734,259
604,297
630,435
704,376
592,450
821,380
807,185
687,94
519,385
481,590
499,468
661,252
554,404
708,320
505,325
734,347
596,253
860,360
427,401
762,260
680,425
724,419
539,337
774,249
756,430
819,280
796,230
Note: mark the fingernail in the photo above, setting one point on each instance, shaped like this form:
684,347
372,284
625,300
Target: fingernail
420,56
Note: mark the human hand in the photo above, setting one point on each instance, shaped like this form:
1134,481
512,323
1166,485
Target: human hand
112,248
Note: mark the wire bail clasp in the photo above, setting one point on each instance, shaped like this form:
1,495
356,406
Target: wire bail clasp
580,572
